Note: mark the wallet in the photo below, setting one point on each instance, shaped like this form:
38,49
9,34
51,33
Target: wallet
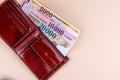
29,43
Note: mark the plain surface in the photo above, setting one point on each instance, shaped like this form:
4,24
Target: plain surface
96,54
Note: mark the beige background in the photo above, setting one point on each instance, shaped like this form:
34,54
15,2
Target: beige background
96,54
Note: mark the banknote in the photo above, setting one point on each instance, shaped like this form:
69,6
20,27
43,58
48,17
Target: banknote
61,33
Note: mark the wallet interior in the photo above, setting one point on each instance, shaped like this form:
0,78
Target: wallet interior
21,34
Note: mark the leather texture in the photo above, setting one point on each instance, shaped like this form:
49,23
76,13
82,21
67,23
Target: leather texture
29,43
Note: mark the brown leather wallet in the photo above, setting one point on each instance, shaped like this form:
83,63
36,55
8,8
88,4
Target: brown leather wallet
29,43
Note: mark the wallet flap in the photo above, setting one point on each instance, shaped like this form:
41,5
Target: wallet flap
46,51
12,29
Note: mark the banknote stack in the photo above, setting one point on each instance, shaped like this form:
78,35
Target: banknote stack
61,33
